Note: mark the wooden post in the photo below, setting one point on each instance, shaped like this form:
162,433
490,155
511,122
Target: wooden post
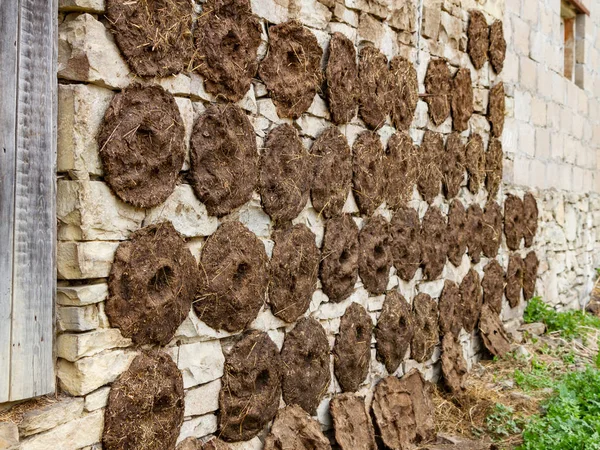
28,89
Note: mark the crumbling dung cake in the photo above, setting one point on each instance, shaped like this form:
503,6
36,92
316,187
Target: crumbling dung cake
352,423
491,237
497,46
405,92
286,174
154,36
192,443
433,243
291,70
152,283
342,79
475,163
475,234
375,87
496,109
368,172
530,218
332,172
401,163
494,160
145,405
478,38
454,366
142,145
226,37
251,390
405,231
375,258
224,159
471,299
233,278
394,331
430,174
294,272
530,269
305,357
352,349
462,99
426,331
513,221
438,86
339,258
450,309
453,165
493,285
458,232
294,429
514,280
420,394
494,335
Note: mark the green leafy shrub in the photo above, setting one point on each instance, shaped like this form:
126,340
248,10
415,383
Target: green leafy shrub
568,323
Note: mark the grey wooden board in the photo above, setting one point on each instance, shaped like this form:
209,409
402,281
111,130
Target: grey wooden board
33,213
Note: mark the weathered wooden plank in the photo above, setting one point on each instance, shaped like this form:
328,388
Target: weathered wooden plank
32,361
8,106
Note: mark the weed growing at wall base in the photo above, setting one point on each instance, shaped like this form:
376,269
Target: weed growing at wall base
570,324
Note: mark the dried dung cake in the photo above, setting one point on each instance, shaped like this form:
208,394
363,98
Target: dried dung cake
462,99
145,405
293,429
401,165
476,229
352,423
530,269
152,284
291,70
286,174
375,258
430,156
491,237
438,86
426,331
142,145
422,403
514,280
530,218
233,278
154,36
342,79
434,243
475,163
193,443
405,231
227,37
305,357
453,165
493,333
251,391
458,232
190,443
368,172
339,258
394,330
513,221
352,350
471,299
493,285
405,92
496,108
294,272
454,366
224,159
375,87
478,38
332,182
450,310
497,46
494,161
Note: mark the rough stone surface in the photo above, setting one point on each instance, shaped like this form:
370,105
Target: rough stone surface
74,346
426,330
80,433
294,429
405,92
352,423
342,79
374,79
375,258
48,417
405,232
493,285
394,331
434,243
368,172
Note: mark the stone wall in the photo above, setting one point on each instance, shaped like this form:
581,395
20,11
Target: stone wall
92,221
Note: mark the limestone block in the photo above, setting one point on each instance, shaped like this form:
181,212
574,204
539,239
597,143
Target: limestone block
71,435
185,212
88,210
266,321
91,6
81,109
198,427
79,345
319,108
346,30
343,14
199,362
42,419
248,103
80,260
333,310
253,217
81,295
77,318
179,84
452,28
88,374
203,399
311,126
253,444
266,108
87,52
97,399
314,221
379,8
403,15
193,328
275,11
310,13
432,17
9,435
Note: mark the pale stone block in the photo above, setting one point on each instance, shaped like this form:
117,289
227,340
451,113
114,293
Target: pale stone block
403,15
75,434
179,84
253,444
87,52
203,399
97,399
538,111
266,321
522,106
9,435
91,6
521,32
253,217
310,13
432,16
542,143
311,126
79,260
528,76
185,212
88,374
77,318
314,221
198,91
379,8
81,295
193,328
343,14
266,108
248,103
198,427
318,108
76,346
42,419
88,210
81,109
200,362
275,11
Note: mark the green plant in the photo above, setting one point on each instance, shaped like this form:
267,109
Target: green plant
569,323
539,376
501,422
